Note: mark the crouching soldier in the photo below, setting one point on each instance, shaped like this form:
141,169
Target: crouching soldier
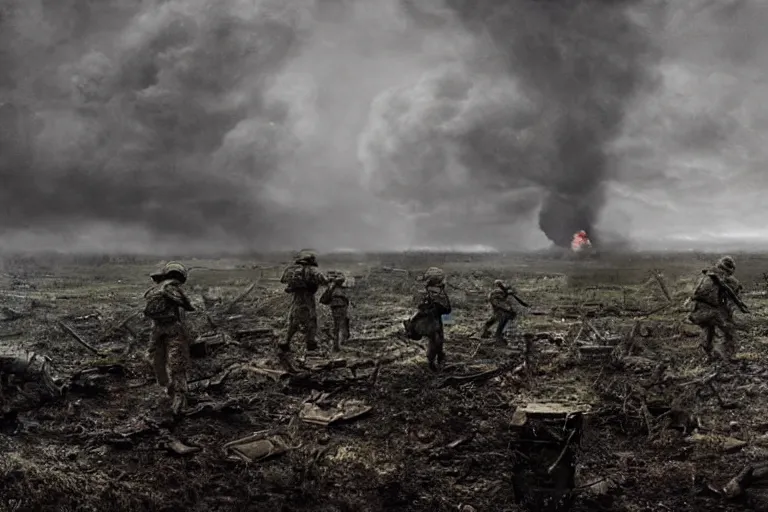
169,348
427,321
335,296
302,280
715,294
502,312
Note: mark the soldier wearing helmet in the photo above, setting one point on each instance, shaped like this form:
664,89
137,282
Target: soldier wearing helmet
169,347
713,309
302,280
502,311
427,322
335,297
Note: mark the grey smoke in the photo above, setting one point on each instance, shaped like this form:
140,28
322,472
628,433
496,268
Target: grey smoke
535,103
149,114
370,124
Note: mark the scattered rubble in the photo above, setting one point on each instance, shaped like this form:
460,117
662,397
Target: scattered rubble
601,401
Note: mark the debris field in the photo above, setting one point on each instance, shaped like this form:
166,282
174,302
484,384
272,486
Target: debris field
604,363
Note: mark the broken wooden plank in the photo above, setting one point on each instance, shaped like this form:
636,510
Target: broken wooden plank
79,339
482,376
239,298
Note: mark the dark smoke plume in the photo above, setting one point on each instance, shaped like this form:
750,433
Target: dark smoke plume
152,115
535,101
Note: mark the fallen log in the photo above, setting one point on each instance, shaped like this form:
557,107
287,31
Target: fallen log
79,339
482,376
737,485
239,298
662,285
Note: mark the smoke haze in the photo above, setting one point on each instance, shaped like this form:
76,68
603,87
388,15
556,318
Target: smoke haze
269,124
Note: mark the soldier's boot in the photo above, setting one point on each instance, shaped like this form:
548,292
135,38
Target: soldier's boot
487,328
309,340
432,355
344,332
727,350
440,358
285,345
707,343
499,337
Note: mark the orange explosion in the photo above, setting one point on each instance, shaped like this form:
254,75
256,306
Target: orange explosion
580,241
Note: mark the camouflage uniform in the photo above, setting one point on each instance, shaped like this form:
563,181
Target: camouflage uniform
428,321
169,348
336,298
712,309
502,314
303,313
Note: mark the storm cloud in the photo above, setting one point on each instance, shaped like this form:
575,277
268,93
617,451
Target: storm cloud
532,106
234,124
149,114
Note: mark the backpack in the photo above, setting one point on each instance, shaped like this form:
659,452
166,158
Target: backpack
327,297
294,278
158,306
707,291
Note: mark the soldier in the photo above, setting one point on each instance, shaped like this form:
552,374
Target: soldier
502,311
713,307
428,321
336,298
302,280
169,349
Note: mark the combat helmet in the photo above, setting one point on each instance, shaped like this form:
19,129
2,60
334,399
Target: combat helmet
336,275
171,270
500,284
727,265
434,277
306,257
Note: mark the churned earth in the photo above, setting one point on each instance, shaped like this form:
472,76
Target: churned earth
371,428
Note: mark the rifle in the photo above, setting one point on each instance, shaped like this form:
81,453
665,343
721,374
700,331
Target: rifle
518,299
727,289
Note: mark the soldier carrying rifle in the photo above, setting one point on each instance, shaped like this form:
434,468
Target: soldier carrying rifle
503,312
714,299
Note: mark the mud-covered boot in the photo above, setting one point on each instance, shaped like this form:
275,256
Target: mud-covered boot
440,360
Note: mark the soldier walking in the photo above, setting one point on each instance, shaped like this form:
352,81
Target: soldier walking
169,347
714,298
502,311
302,280
427,322
335,296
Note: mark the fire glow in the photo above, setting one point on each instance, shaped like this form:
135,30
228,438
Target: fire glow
580,242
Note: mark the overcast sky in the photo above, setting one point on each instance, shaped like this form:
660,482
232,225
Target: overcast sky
373,124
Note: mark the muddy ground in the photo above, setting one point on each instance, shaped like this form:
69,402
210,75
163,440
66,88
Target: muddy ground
666,430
